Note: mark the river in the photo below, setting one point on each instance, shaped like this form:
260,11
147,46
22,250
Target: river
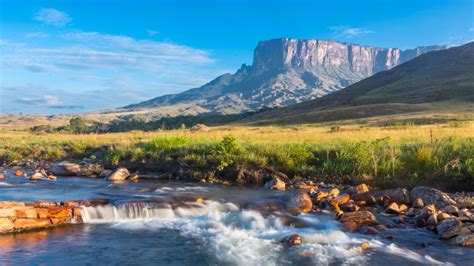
230,226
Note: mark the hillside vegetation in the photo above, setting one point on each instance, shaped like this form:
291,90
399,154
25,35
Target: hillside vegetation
397,154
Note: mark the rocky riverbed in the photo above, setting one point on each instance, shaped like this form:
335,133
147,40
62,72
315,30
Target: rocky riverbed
313,222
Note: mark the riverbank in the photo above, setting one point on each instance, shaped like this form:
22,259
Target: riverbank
389,155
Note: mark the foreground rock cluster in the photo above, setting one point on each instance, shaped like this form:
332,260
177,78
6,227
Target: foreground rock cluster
16,216
372,212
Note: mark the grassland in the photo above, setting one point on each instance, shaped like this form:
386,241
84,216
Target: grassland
397,154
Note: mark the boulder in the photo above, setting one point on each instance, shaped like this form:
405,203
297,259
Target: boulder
334,192
432,196
442,216
37,176
275,183
301,203
304,186
418,203
292,240
120,174
321,195
2,176
6,225
449,228
349,206
399,195
428,210
341,199
64,169
368,230
451,209
27,224
432,220
364,245
350,226
466,215
105,173
361,218
361,188
52,177
393,208
90,169
19,173
199,127
465,240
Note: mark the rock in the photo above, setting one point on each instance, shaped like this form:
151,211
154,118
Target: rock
334,192
304,186
399,195
199,127
42,213
37,176
350,226
321,195
349,207
25,213
6,225
341,199
301,203
392,208
7,213
2,176
364,245
466,215
432,220
12,204
432,196
451,209
64,169
402,208
134,177
120,174
58,213
418,203
443,216
368,230
27,224
464,241
52,177
411,212
428,210
58,221
275,183
45,204
361,218
19,173
293,240
90,169
448,228
105,173
361,188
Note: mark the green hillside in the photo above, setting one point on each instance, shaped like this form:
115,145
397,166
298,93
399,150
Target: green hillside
441,80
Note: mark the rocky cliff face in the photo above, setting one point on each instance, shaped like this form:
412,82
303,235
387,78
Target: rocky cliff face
288,71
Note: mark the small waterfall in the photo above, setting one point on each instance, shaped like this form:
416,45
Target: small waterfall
144,210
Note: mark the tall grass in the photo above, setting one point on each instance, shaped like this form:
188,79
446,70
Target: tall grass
431,154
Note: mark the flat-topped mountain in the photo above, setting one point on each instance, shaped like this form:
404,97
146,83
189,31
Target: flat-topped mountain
285,72
441,81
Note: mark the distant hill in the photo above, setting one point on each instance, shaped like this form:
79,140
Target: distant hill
439,79
284,72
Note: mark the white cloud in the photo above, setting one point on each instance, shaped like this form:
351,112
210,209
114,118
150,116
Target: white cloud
36,35
348,32
46,101
53,17
152,33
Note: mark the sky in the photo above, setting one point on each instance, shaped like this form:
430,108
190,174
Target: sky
81,56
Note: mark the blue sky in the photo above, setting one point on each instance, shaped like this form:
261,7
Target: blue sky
79,56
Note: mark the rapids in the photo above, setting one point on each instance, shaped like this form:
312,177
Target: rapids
160,222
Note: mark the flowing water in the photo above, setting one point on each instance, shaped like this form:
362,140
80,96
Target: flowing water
233,226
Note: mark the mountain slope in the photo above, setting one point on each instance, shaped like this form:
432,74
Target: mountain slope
285,72
442,77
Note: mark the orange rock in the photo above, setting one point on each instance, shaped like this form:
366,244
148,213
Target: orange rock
200,200
361,188
2,176
6,225
11,204
58,221
364,245
19,173
58,213
320,195
25,213
45,204
42,213
361,218
350,226
334,192
69,204
77,211
301,202
341,199
4,213
26,224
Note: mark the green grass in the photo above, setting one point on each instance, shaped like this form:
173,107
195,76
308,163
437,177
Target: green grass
446,162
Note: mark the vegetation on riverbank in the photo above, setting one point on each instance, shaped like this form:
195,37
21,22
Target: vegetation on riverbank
395,155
